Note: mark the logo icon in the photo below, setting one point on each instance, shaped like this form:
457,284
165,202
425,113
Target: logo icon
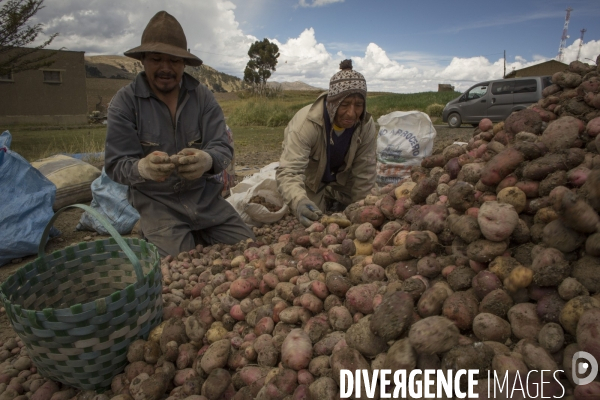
584,363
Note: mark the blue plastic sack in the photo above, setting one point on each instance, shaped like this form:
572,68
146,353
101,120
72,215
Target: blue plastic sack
110,200
26,198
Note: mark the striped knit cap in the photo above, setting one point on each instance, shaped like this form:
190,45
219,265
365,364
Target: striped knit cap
343,84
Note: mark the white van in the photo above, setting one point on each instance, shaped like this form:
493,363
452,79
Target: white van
495,100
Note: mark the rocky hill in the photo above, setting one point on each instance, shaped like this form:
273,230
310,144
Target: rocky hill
121,67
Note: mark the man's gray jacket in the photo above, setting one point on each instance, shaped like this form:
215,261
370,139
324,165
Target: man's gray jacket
139,123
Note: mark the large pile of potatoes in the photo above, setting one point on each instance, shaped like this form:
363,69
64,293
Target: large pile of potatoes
487,258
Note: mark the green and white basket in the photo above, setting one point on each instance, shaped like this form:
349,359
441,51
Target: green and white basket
78,309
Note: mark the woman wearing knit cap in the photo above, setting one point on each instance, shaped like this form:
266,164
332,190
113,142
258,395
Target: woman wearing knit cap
329,149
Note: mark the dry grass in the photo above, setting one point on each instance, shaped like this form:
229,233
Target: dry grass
35,144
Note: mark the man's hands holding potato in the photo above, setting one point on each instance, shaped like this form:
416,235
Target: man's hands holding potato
156,166
190,163
193,163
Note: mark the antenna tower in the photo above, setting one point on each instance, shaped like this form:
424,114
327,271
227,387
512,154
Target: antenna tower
580,43
563,39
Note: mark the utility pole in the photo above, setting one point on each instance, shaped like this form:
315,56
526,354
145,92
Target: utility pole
580,43
504,76
564,37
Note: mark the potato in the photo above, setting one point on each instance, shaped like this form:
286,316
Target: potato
485,282
501,165
508,363
461,278
485,250
524,120
585,270
433,335
360,337
216,356
497,302
475,356
432,300
464,226
488,326
360,298
461,308
461,196
340,318
393,316
524,321
551,337
588,332
401,355
556,234
496,220
519,278
513,196
578,214
572,311
348,358
561,133
550,307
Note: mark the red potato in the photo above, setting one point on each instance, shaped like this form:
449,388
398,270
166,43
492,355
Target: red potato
485,124
497,220
500,166
561,134
296,350
524,120
593,127
461,308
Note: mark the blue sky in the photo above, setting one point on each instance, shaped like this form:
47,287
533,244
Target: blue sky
400,46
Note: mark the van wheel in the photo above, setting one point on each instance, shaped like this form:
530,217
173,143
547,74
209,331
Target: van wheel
454,120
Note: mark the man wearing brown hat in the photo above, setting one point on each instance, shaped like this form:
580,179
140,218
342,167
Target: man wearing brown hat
166,138
329,149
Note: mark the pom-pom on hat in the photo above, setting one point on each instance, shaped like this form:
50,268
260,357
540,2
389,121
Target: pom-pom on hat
342,84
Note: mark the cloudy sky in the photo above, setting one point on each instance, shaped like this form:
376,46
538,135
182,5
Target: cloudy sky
400,46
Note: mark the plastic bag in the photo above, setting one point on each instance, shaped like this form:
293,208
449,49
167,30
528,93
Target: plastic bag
263,184
26,200
405,138
110,200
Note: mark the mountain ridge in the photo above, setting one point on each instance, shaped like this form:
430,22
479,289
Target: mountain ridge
122,67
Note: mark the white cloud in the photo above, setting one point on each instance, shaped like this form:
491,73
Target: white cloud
214,34
318,3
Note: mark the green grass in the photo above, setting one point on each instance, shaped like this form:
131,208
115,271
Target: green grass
380,104
257,124
272,112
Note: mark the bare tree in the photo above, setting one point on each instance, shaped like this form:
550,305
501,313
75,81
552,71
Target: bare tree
16,34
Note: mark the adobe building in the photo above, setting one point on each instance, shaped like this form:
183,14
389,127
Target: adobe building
546,68
54,95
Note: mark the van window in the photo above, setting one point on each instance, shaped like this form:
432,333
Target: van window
476,92
502,88
526,86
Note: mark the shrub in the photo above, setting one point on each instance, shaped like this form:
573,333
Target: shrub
434,110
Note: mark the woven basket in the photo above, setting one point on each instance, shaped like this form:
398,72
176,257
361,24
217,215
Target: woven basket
78,309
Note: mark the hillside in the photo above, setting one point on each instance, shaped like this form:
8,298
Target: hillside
293,86
121,67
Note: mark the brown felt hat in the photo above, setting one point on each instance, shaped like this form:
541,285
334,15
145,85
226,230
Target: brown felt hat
164,34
